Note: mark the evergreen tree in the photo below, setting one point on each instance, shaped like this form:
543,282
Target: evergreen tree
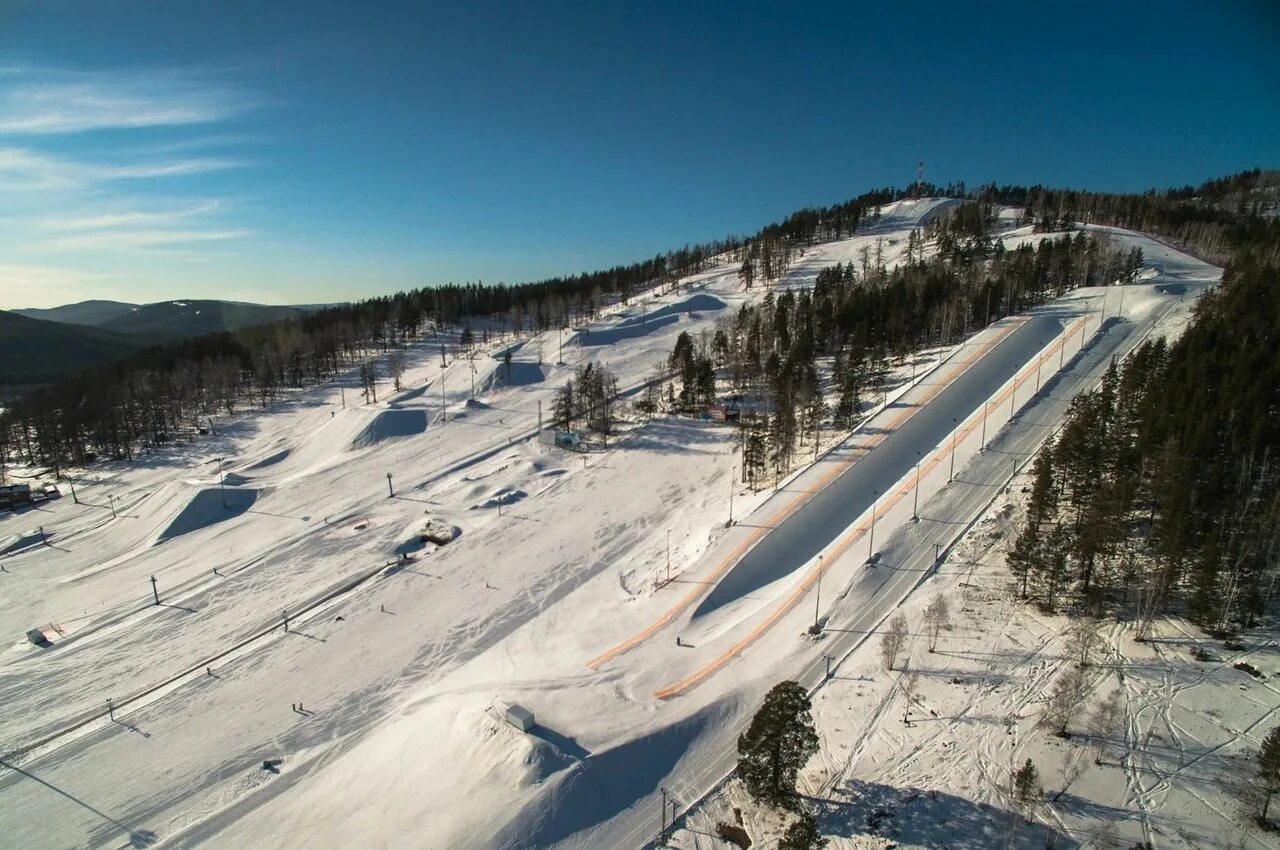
777,744
1269,768
802,834
562,407
754,455
1026,789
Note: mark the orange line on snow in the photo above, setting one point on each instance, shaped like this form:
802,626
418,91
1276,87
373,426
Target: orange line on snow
738,551
961,433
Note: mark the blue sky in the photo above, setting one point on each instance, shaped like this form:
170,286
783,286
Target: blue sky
294,152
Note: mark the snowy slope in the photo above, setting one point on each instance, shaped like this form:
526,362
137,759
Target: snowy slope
398,663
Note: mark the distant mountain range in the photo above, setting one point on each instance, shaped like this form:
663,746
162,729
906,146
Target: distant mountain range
91,313
36,351
41,345
165,321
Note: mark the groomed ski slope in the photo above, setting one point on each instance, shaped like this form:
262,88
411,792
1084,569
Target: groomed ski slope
399,743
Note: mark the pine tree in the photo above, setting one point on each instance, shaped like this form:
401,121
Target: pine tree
802,834
1043,503
1026,789
754,454
777,744
850,403
1026,558
562,407
1269,768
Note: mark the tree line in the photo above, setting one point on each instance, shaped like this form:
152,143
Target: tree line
863,317
1214,221
146,399
143,401
1162,491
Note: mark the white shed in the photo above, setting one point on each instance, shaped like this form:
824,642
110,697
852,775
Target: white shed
517,715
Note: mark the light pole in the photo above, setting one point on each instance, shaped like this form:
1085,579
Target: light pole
222,487
985,406
662,830
731,486
155,595
951,476
817,599
113,505
871,539
391,494
444,402
560,361
668,556
915,502
74,497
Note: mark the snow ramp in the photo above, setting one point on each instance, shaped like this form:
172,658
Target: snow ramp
390,425
209,507
639,326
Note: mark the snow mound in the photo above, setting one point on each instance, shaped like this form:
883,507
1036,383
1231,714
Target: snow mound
209,507
518,373
605,783
433,531
505,496
638,326
22,541
391,424
270,460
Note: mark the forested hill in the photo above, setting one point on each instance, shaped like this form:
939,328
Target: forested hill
84,414
94,312
172,320
35,351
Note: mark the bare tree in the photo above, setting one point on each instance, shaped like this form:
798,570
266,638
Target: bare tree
894,641
1071,770
395,367
936,618
1083,638
368,382
1104,721
910,684
1068,697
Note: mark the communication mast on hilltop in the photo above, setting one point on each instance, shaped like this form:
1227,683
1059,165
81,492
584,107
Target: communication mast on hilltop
919,189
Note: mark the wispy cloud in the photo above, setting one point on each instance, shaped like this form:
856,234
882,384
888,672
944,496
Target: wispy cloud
102,166
138,239
26,169
131,218
45,101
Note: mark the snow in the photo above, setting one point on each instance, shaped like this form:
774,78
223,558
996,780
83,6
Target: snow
397,649
942,779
